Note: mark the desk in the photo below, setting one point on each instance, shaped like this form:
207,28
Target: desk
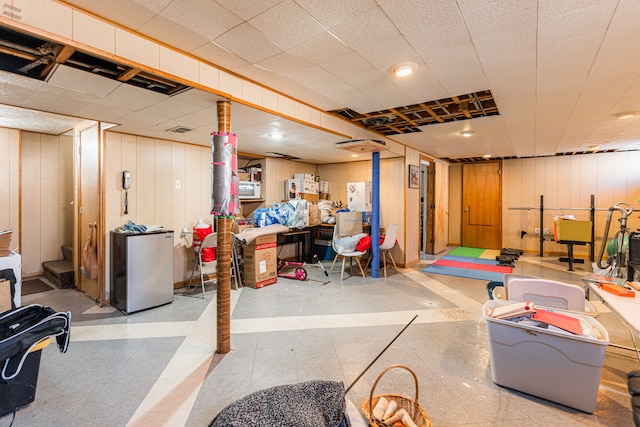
626,308
304,242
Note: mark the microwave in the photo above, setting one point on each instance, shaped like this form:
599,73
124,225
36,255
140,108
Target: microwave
249,190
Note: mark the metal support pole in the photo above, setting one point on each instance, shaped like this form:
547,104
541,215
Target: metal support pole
541,225
375,214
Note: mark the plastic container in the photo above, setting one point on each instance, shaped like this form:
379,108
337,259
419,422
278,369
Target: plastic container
556,366
200,231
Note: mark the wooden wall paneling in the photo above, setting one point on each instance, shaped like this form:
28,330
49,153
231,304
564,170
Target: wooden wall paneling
129,162
513,220
411,215
66,192
163,183
455,204
7,198
50,240
204,204
181,257
633,187
144,182
31,207
442,207
15,177
114,197
193,186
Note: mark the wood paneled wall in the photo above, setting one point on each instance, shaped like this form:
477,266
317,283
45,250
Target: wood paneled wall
441,225
154,198
392,178
10,184
567,182
275,172
47,196
455,204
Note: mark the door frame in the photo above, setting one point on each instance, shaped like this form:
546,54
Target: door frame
462,193
426,221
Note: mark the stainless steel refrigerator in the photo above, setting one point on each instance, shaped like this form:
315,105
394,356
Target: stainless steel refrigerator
141,270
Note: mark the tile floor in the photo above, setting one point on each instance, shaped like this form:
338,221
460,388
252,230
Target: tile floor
158,367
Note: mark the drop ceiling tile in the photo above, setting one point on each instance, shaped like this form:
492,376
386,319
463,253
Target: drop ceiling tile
351,64
167,31
367,28
65,77
485,20
248,43
389,52
154,5
247,9
287,24
332,12
285,63
219,56
133,97
56,100
320,49
135,16
36,121
210,21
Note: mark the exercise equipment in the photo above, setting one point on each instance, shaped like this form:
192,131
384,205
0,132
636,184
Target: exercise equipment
619,246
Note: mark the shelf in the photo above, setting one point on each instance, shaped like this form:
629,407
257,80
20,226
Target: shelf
251,200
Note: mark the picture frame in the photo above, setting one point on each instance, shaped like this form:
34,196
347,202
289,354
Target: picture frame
414,176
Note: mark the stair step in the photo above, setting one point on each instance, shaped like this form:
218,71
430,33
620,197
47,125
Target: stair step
59,272
67,252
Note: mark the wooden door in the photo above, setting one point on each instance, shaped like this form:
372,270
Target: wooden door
481,205
88,203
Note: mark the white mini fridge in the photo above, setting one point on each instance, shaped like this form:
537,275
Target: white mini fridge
141,270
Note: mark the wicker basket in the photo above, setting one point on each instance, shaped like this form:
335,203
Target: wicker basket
410,405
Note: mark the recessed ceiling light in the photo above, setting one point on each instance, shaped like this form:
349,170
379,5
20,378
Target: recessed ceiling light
626,115
403,69
275,135
594,147
354,155
467,133
487,156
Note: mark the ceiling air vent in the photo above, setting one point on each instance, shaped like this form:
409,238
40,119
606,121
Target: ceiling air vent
179,129
362,145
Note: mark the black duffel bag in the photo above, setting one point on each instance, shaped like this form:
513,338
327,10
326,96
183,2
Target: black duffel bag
23,328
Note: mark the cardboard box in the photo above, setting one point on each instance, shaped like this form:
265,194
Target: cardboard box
314,214
557,366
572,230
292,189
323,196
244,176
309,182
261,262
310,197
359,196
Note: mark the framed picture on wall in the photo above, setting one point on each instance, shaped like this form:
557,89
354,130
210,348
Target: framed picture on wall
414,176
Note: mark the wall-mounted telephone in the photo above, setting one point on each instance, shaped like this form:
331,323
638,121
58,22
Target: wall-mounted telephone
126,180
126,184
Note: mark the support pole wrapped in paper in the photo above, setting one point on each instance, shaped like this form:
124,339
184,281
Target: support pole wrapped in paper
224,175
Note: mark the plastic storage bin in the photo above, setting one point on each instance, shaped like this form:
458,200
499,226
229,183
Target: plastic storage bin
556,366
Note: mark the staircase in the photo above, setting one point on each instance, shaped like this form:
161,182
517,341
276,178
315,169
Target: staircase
60,272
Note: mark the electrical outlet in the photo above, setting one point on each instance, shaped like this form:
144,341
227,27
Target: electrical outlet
546,231
537,230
